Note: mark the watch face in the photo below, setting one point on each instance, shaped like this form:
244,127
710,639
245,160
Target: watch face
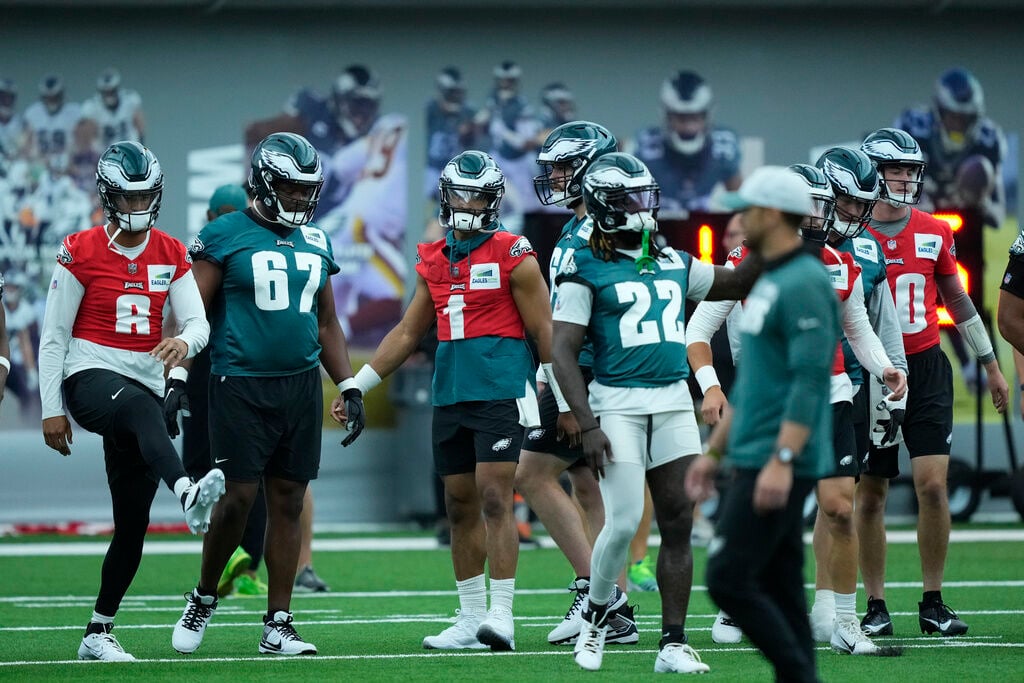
785,455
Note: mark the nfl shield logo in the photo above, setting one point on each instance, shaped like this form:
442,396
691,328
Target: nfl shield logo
132,269
454,271
891,244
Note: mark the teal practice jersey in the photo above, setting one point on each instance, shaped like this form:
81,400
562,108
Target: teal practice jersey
636,320
575,235
868,254
263,320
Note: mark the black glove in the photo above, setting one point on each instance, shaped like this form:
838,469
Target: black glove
891,426
355,413
175,401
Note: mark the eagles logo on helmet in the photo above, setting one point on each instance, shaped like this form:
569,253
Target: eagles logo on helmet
285,178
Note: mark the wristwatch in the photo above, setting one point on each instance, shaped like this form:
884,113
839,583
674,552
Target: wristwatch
785,455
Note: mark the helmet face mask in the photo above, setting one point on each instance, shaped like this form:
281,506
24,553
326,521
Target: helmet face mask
564,158
897,155
621,195
285,179
855,183
817,227
130,184
687,100
471,187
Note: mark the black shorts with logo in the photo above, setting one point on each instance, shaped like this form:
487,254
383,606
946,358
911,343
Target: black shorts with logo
861,422
844,442
544,439
267,426
475,431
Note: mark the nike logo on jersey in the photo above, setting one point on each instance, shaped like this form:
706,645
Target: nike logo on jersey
116,393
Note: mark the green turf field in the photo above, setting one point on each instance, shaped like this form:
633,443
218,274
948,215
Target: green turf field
385,602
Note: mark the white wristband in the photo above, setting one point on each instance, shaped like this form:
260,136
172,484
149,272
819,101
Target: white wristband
5,363
178,372
367,378
556,391
706,377
347,383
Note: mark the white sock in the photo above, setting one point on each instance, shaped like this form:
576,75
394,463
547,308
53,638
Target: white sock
502,591
180,486
846,606
98,618
473,595
824,601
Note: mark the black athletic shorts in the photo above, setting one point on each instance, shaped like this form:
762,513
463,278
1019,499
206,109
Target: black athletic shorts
844,442
1013,276
94,397
267,426
861,423
475,431
544,439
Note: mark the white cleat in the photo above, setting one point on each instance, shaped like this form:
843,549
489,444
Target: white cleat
848,638
459,636
589,650
498,631
280,637
725,631
188,632
103,647
199,498
570,627
679,658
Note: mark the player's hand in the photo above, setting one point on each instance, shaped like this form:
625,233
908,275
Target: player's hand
175,401
713,405
170,351
997,387
597,449
354,415
890,428
896,380
57,434
700,478
772,487
569,428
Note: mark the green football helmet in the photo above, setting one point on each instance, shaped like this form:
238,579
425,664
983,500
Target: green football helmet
895,147
577,143
130,185
286,161
621,194
816,228
854,181
471,187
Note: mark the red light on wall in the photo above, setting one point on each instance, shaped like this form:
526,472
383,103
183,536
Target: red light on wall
965,280
706,243
955,220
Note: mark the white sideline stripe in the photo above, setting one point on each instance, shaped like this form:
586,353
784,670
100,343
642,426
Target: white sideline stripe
49,600
943,644
92,548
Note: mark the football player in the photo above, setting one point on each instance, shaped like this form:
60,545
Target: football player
114,112
101,348
264,274
964,149
628,296
689,156
564,158
920,259
13,134
51,124
484,287
449,127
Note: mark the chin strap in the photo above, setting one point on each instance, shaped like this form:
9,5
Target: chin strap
645,264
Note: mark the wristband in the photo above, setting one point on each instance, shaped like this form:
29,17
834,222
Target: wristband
178,372
5,363
366,379
556,391
346,384
706,377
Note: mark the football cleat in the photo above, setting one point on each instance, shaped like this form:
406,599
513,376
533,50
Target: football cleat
589,649
188,632
497,630
876,621
239,562
572,623
459,636
250,585
679,658
725,631
280,637
622,625
307,581
641,575
199,498
103,647
939,618
848,638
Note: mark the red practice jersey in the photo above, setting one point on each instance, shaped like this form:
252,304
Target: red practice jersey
922,250
843,272
124,299
473,297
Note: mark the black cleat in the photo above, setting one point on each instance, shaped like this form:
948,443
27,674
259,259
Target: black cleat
877,621
939,618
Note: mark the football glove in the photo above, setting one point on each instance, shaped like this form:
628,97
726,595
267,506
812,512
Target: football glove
889,427
175,401
355,413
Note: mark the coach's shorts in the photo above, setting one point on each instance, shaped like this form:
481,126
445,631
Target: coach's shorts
844,441
267,426
475,431
652,440
544,439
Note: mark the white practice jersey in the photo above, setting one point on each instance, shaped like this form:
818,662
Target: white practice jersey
52,134
115,124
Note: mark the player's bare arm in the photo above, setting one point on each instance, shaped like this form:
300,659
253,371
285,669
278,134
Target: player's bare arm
1010,317
735,283
567,338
